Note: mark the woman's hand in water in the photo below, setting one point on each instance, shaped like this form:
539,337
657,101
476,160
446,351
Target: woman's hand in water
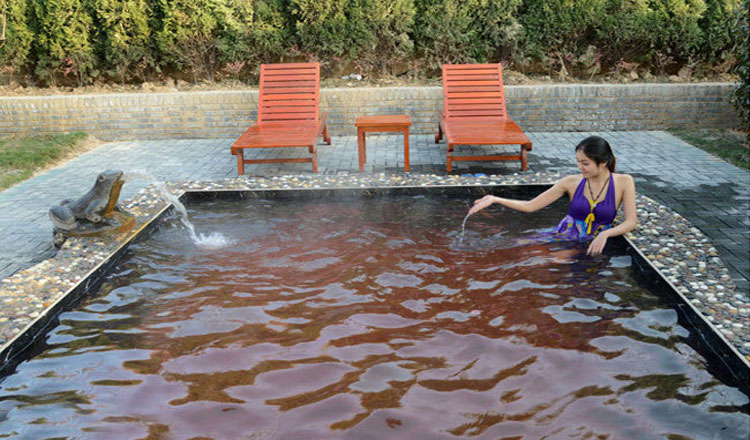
482,203
597,246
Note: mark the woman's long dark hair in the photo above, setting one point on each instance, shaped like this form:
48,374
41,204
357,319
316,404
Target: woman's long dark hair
597,149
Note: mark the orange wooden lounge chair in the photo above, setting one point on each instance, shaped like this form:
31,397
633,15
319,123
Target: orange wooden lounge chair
474,103
287,114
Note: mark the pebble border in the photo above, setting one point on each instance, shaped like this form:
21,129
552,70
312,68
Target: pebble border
681,252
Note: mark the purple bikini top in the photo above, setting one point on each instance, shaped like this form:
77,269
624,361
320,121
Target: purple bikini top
602,214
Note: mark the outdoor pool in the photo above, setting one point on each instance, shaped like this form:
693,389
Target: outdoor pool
369,318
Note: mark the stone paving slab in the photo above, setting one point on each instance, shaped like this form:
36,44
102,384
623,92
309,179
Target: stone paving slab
712,194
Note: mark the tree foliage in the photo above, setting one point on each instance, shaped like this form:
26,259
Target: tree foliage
80,41
741,97
388,41
200,36
465,31
661,35
63,43
14,55
125,38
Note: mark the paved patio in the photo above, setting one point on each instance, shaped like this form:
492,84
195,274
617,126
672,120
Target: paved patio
712,194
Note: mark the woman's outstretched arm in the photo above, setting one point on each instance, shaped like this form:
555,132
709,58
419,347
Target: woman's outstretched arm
558,190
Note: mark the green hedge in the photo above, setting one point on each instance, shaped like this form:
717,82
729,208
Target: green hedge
363,35
19,34
465,31
81,41
659,35
388,41
63,41
741,96
125,39
269,35
201,36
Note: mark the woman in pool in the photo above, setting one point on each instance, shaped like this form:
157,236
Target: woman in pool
595,196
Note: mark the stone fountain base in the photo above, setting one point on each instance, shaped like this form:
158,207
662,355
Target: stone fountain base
118,222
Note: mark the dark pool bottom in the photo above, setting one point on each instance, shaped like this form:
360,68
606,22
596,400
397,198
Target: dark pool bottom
368,319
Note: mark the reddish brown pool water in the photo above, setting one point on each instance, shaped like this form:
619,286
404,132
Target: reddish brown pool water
366,320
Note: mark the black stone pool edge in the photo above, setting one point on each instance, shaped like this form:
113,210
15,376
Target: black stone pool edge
26,343
723,358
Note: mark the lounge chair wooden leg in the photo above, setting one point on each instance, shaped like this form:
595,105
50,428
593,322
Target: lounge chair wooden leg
449,159
326,137
315,161
240,162
439,135
524,158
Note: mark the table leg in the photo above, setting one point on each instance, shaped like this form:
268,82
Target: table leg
406,149
361,149
240,162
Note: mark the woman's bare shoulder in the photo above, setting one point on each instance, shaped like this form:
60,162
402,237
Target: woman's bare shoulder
570,181
624,182
623,178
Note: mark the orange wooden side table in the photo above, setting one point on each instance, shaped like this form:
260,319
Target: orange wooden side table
380,124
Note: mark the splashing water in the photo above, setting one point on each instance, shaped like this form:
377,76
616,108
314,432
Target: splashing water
214,239
463,229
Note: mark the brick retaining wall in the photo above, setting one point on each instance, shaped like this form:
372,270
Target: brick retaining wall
225,114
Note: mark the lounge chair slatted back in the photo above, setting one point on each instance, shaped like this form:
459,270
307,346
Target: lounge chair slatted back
473,91
289,92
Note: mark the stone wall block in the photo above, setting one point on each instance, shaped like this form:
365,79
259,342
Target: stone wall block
541,108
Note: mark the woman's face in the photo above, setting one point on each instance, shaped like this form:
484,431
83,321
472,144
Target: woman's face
587,166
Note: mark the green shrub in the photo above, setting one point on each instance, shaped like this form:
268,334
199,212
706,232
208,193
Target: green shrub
674,32
741,97
265,39
125,37
465,31
558,28
270,32
388,43
130,40
14,55
627,33
327,30
718,28
669,34
664,34
367,34
201,36
63,45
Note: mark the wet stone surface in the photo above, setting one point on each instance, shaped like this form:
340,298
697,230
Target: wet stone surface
683,254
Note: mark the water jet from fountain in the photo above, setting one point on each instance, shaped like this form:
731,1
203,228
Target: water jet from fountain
212,240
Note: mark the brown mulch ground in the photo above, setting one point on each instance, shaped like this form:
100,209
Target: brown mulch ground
509,78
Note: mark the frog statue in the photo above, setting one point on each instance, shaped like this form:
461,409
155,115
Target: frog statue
93,214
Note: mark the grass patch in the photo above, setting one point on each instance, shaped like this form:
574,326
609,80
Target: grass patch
21,158
726,144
